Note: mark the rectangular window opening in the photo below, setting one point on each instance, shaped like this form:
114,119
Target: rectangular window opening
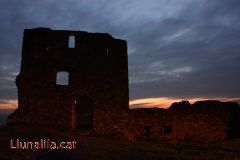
62,78
71,42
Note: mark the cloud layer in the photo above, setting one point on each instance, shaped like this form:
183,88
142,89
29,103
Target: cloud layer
176,48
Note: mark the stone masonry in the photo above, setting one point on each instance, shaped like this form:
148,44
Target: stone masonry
97,70
95,93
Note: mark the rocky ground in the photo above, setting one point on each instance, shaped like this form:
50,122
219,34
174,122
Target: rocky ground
91,147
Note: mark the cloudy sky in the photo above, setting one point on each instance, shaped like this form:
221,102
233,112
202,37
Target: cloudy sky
177,49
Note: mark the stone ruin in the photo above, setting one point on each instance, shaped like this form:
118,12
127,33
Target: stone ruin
203,121
93,94
96,78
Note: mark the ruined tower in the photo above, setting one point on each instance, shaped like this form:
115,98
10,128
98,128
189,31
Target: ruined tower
93,94
95,84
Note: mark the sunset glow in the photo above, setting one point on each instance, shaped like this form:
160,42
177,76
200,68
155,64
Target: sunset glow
8,104
165,102
158,102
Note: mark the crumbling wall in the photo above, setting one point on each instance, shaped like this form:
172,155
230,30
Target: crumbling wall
203,121
96,96
97,67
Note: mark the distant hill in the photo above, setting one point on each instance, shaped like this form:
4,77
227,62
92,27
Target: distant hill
4,115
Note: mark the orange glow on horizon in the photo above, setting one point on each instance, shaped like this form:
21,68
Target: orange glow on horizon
8,104
165,102
159,102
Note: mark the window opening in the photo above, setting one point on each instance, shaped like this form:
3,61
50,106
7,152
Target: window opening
62,78
71,42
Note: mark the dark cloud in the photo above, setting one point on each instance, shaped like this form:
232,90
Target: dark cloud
193,55
176,48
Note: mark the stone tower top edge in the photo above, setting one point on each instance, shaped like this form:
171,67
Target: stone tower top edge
70,32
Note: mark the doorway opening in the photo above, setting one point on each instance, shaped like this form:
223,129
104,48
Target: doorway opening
84,113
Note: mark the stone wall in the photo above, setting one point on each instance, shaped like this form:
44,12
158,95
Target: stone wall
96,97
98,74
203,121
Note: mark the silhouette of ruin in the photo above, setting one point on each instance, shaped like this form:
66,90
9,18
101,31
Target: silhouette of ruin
96,78
78,80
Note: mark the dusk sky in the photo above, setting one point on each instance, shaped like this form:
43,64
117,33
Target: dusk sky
177,49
